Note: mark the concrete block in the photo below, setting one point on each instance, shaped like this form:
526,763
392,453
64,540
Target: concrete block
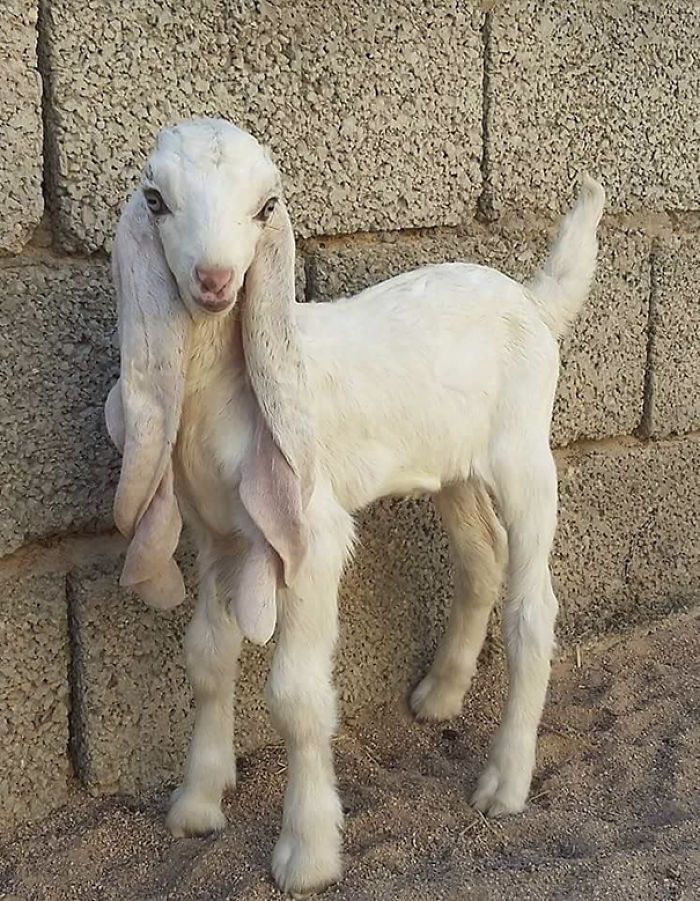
603,358
675,347
34,696
394,600
57,362
609,87
372,112
627,548
601,385
22,204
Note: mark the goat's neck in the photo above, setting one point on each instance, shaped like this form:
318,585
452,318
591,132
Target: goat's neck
215,426
216,346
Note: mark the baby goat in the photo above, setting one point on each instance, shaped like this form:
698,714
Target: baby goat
268,423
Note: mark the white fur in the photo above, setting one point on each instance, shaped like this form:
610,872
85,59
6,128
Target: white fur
439,381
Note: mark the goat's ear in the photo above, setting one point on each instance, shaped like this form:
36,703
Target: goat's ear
278,476
114,416
255,599
143,408
270,490
247,575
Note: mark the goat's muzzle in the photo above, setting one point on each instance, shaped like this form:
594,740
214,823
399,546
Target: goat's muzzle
215,288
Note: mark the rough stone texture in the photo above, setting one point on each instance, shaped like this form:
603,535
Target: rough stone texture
627,548
610,87
57,362
602,372
20,125
373,112
393,602
131,715
675,349
33,696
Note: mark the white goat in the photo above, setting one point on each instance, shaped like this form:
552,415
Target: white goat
268,423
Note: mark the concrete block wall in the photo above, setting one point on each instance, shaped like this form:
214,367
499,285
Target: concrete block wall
408,132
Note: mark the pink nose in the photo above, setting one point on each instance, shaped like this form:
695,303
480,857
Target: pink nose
213,279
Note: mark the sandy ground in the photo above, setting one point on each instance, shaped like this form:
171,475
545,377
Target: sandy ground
614,812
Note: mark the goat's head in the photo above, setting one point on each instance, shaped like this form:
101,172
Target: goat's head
211,190
207,228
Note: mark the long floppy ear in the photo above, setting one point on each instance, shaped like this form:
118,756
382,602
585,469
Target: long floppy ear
278,475
143,408
250,580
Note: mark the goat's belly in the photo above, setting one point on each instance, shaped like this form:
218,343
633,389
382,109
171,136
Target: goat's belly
357,493
410,484
362,474
406,449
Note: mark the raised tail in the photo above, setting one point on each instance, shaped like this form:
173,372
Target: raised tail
561,286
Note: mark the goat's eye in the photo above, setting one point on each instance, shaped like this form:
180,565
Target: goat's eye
155,201
267,209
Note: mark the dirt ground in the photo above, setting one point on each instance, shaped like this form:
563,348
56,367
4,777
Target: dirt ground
614,811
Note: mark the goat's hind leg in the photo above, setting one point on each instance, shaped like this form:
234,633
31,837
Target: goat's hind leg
477,540
527,497
212,645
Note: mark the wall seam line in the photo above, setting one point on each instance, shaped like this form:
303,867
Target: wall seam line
646,426
109,545
47,150
309,276
76,742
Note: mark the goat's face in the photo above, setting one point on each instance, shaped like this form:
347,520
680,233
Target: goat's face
210,188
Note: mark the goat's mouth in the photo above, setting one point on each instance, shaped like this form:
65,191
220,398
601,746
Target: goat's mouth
216,304
213,303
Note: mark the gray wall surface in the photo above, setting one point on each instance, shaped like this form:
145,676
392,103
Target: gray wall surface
408,132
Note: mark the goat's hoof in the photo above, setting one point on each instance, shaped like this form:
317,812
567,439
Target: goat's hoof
495,797
435,699
301,869
192,815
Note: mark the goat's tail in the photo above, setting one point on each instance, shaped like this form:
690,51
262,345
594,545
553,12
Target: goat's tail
561,286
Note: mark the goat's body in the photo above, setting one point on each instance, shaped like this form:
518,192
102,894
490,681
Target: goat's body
467,342
411,380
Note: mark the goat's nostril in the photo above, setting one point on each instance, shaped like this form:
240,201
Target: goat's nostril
212,278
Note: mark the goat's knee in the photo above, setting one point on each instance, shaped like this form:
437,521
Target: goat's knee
211,655
302,704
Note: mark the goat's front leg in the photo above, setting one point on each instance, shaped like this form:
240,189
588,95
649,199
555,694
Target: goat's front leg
212,646
302,703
